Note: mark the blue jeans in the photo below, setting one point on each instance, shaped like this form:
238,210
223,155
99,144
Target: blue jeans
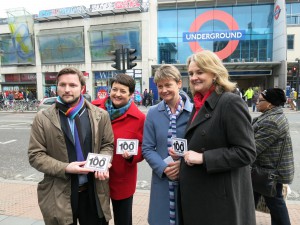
277,206
253,106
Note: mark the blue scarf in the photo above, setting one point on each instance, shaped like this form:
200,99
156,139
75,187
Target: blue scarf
116,113
171,134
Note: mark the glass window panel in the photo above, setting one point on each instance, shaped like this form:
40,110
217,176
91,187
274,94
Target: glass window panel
102,42
167,23
187,17
290,42
295,9
184,51
17,54
262,19
256,20
61,48
243,16
167,50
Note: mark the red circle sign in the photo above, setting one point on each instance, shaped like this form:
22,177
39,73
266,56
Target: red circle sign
215,15
277,12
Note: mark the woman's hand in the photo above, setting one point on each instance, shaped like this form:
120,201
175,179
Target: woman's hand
191,157
172,170
173,154
126,155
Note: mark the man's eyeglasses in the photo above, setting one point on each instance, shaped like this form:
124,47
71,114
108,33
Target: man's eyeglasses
261,100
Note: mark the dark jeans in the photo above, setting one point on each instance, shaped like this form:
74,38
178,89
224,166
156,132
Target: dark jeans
253,106
122,211
249,102
87,213
277,206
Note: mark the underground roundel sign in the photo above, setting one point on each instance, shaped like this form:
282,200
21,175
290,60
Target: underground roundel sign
233,35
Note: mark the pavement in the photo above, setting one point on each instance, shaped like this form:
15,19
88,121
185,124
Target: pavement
19,205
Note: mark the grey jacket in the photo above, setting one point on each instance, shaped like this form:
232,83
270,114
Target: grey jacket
270,129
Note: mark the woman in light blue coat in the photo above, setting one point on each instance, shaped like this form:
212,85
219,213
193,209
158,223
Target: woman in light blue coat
165,120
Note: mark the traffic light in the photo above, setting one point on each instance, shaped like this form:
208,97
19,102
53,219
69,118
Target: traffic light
117,59
131,58
294,71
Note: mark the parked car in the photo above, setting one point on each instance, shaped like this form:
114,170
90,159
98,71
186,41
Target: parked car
46,103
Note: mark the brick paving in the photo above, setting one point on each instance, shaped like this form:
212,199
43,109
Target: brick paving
19,205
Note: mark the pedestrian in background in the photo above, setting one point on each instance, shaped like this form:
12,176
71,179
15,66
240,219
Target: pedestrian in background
145,96
165,120
127,123
2,97
60,140
215,181
292,99
149,98
30,96
248,95
10,97
87,96
272,134
254,100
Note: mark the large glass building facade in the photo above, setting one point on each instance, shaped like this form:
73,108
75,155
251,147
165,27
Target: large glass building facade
182,31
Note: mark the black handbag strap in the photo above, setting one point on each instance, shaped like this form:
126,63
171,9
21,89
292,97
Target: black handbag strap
281,153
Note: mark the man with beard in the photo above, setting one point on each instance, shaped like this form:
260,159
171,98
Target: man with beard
61,138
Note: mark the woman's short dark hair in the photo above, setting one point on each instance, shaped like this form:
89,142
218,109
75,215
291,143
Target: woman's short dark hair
124,79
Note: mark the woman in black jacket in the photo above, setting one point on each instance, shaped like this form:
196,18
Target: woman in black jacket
215,177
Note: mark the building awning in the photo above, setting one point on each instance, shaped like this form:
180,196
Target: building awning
237,68
60,31
17,83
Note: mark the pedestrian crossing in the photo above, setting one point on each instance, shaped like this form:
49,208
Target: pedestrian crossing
4,125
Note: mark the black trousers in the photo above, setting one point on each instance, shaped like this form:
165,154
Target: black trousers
277,206
87,211
122,211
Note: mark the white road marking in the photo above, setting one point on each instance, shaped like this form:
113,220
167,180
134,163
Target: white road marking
12,124
7,142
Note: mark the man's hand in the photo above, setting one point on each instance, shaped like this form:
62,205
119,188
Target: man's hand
172,170
103,175
77,168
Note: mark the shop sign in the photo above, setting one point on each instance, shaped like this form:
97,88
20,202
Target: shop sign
126,4
12,78
27,77
103,75
63,11
234,34
50,76
214,36
143,5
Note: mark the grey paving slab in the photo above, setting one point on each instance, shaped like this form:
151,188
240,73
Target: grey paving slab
2,217
12,220
39,223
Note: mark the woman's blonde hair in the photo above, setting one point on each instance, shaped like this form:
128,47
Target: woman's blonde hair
165,72
209,62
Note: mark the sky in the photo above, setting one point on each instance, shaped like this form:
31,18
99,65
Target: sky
34,6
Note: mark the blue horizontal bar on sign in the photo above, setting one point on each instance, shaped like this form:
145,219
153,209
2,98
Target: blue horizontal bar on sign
251,72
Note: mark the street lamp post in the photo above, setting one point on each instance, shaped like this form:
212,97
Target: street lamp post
1,54
297,80
297,85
